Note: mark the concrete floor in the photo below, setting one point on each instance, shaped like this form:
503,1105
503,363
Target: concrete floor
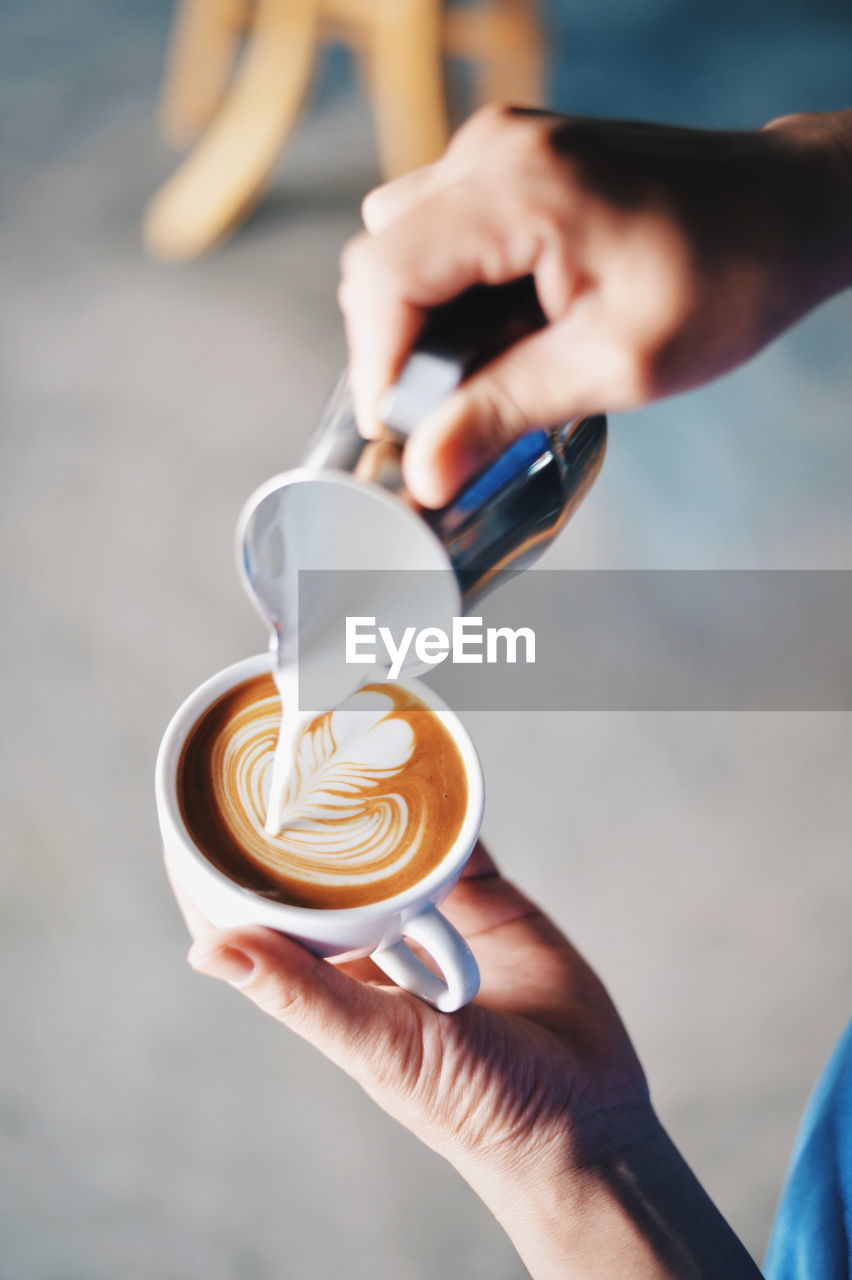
154,1125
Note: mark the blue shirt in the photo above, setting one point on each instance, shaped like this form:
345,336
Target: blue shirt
812,1235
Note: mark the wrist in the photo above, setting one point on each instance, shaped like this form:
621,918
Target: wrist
615,1199
548,1194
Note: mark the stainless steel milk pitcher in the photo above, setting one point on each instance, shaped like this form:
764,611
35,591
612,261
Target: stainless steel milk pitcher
508,515
345,510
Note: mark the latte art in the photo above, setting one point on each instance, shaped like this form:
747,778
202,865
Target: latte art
376,798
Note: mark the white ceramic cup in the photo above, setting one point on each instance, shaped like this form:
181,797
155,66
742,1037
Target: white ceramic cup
377,929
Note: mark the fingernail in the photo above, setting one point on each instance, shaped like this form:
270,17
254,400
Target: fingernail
226,963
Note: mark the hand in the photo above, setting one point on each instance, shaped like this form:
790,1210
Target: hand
494,1082
534,1092
662,256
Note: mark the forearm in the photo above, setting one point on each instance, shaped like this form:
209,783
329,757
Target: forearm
640,1214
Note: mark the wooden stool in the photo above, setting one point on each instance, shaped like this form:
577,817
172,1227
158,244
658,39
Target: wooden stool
243,121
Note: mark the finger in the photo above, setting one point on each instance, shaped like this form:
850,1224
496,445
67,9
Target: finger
422,258
456,237
490,127
380,330
483,904
365,970
482,900
386,203
200,927
576,366
349,1021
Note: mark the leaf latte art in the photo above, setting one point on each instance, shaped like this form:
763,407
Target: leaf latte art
377,798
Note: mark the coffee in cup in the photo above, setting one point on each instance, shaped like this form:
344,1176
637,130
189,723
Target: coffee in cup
378,795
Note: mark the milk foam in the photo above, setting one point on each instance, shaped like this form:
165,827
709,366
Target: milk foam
332,809
377,795
341,822
281,810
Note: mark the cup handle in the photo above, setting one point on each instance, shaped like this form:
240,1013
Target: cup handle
450,952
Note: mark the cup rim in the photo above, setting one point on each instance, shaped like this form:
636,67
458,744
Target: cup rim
172,823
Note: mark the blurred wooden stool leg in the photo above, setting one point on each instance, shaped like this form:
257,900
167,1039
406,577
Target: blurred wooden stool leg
515,72
202,47
502,38
406,83
225,173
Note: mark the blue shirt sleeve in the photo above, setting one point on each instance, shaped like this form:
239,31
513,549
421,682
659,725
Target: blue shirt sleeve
812,1235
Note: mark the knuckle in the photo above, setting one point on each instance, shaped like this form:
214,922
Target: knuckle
492,115
530,144
353,255
348,295
405,1064
497,113
372,204
354,270
486,125
499,412
283,1000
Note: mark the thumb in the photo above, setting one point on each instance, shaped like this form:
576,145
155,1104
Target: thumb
572,367
345,1019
